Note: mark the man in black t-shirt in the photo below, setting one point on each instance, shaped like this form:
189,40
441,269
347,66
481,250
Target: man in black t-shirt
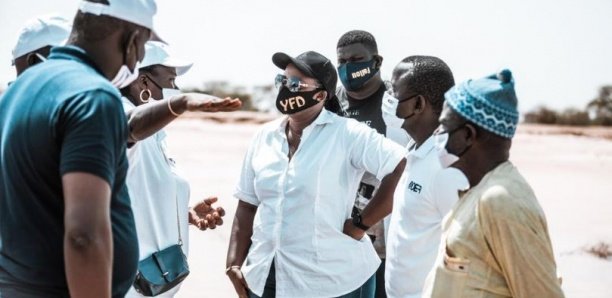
363,97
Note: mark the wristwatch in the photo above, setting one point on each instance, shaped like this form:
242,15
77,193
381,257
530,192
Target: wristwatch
358,222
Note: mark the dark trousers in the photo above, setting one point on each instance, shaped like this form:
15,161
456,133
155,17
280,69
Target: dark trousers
270,287
380,281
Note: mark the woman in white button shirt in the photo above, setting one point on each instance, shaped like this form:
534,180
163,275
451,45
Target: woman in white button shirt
292,234
159,196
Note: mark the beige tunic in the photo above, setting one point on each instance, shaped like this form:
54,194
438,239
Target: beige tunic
495,243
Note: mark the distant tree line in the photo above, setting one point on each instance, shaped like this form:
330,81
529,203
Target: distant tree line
597,112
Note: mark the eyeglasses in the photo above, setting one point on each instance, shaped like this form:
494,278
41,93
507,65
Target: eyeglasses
292,83
390,92
440,130
41,57
407,98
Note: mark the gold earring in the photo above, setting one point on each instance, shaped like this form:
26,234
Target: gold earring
148,95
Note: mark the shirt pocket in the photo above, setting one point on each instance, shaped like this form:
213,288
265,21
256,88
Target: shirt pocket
451,277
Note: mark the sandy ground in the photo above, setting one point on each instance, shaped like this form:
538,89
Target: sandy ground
570,174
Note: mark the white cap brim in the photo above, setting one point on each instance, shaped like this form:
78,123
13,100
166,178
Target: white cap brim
181,66
158,53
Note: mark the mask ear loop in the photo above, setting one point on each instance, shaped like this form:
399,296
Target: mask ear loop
467,147
374,62
148,92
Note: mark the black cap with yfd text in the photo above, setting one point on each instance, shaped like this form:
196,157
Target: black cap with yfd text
313,65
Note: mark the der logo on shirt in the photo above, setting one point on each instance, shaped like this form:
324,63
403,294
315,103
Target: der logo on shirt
415,187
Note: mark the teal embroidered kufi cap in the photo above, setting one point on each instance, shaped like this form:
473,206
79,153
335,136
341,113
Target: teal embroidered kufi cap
489,102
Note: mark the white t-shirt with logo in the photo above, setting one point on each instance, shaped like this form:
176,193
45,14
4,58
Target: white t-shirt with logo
154,188
424,195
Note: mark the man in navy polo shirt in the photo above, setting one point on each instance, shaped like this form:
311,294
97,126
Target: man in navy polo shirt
66,226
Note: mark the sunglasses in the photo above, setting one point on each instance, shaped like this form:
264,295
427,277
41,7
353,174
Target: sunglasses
292,83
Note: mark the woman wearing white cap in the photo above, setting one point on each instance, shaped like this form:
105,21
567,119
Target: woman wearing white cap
159,196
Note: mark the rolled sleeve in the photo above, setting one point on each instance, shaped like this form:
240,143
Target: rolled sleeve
127,105
245,189
372,152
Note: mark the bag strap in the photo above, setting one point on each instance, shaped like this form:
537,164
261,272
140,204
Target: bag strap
170,162
178,223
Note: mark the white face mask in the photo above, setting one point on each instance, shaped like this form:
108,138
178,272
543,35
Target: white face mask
168,93
446,159
125,76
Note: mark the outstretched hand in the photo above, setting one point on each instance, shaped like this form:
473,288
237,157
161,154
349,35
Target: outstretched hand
199,102
204,216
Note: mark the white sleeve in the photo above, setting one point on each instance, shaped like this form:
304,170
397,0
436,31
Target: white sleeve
371,151
245,189
127,104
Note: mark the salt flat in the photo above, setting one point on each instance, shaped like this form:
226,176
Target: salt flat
571,175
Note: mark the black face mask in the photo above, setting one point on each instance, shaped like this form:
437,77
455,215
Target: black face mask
288,102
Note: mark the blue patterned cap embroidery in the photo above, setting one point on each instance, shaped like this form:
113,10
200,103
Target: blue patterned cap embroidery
489,103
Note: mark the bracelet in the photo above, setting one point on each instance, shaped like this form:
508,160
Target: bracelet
230,268
170,108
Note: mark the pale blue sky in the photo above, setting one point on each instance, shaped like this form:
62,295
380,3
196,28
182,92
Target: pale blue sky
560,51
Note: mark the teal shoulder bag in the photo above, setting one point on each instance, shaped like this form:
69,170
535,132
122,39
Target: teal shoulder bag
164,269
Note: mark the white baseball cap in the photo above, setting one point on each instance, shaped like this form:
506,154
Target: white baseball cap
42,31
139,12
158,53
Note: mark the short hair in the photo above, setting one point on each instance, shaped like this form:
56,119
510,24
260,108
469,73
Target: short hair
152,69
358,36
92,28
429,76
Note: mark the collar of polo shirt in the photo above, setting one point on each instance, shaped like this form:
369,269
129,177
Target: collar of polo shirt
422,151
